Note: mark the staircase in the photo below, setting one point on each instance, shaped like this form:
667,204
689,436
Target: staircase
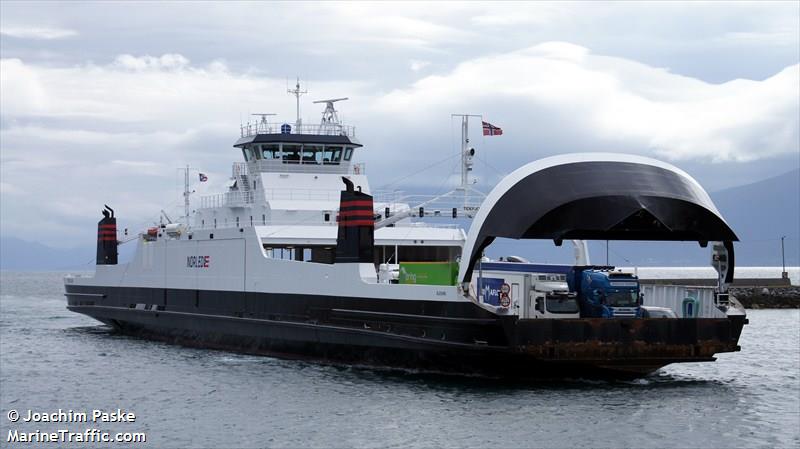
243,196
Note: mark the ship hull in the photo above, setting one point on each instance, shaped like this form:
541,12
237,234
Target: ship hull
426,336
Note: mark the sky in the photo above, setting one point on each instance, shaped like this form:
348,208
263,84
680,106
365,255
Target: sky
100,103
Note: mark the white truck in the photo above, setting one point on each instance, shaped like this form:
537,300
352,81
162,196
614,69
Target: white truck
529,290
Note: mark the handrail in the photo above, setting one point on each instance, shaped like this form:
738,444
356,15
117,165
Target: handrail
231,199
252,129
278,166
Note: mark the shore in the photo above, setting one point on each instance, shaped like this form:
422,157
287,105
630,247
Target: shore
783,297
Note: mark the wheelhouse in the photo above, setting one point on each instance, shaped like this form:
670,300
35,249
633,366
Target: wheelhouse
299,152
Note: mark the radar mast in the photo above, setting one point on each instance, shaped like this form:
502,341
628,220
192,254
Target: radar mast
297,93
330,118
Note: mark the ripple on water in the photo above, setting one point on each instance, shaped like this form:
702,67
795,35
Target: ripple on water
187,397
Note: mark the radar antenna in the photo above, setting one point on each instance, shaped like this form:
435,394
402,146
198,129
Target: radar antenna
263,124
330,118
297,93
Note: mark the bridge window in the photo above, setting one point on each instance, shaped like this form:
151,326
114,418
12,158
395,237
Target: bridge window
270,152
333,154
312,154
248,153
291,154
348,153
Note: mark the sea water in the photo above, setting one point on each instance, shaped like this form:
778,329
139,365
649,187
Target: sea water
52,359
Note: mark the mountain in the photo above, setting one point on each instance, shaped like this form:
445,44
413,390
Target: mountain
762,212
22,255
759,213
17,254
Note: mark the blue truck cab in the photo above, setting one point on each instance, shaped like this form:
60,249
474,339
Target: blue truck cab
604,293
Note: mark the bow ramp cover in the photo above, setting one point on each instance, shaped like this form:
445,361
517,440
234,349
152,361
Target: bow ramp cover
595,197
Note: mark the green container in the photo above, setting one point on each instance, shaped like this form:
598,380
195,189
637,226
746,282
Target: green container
428,273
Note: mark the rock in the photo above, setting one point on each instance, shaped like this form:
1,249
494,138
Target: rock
765,298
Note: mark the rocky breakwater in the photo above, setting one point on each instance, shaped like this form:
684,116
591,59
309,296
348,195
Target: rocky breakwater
783,297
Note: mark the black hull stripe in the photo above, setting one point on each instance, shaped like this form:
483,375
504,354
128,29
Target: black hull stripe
104,311
410,317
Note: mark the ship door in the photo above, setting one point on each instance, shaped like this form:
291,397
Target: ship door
528,310
534,305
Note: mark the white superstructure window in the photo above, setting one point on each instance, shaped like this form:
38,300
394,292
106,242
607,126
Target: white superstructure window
312,154
291,153
333,155
270,151
248,153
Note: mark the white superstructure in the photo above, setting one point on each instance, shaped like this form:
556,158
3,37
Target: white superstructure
286,191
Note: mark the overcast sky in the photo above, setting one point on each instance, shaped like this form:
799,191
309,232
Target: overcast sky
102,101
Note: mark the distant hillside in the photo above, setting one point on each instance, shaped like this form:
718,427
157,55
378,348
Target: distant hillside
16,254
760,214
22,255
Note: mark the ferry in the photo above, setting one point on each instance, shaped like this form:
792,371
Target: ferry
298,258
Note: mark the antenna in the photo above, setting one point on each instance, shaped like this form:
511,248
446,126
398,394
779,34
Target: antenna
264,115
263,123
186,193
297,93
467,153
329,116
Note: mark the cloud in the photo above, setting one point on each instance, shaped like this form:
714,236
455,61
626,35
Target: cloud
417,65
617,100
33,32
510,14
170,61
77,136
787,37
168,89
9,189
74,137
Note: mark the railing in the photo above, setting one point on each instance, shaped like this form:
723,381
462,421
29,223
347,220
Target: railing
251,129
304,222
433,205
278,166
239,169
229,199
427,224
239,199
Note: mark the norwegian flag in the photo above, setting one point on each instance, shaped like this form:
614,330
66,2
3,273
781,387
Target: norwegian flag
203,177
491,130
